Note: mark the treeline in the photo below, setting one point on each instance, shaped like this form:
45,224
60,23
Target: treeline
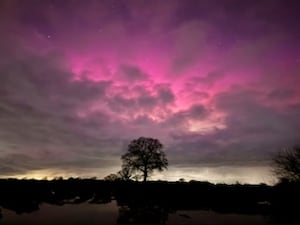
26,195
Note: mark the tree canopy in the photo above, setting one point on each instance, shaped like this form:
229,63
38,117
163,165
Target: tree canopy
287,164
144,155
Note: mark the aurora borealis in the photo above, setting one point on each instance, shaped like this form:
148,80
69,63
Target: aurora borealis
216,81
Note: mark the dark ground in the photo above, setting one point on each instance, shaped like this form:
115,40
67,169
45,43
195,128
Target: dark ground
150,203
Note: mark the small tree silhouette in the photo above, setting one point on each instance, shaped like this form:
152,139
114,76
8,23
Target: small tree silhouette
287,164
145,155
111,177
125,173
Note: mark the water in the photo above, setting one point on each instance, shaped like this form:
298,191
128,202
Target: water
67,214
111,214
202,217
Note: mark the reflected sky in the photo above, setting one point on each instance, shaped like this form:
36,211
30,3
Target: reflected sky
108,214
66,214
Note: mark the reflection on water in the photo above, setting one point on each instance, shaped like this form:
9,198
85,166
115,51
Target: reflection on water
111,214
203,217
146,215
76,201
67,214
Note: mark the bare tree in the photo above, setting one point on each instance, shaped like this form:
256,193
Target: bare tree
145,155
125,173
287,164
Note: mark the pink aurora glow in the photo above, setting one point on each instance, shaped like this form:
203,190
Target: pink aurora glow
217,83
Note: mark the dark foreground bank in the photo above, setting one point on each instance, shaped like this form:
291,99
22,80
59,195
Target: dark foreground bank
150,203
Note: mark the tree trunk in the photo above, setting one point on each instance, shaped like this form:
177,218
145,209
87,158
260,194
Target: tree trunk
145,175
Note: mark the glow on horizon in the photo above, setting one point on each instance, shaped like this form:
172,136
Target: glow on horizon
223,174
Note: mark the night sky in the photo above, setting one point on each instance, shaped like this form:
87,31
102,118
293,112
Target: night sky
217,82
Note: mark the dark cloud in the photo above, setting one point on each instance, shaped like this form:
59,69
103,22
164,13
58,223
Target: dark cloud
165,94
141,99
17,163
247,113
131,73
180,118
42,113
254,132
281,94
244,19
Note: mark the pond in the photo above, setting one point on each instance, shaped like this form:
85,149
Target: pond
112,214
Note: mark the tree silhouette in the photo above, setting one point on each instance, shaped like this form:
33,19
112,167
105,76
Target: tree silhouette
287,164
145,155
111,177
125,173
